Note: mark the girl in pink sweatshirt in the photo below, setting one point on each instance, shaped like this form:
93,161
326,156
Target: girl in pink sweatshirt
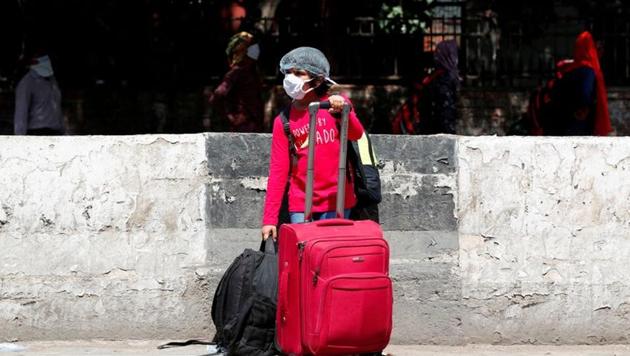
307,80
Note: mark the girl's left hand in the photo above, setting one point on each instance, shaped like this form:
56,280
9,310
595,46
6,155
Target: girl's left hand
336,103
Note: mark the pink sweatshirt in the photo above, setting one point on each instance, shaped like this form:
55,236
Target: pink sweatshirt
325,168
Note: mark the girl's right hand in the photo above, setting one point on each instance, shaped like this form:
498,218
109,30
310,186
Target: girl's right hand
336,103
269,230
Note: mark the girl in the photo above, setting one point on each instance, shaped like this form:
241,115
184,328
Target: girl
306,80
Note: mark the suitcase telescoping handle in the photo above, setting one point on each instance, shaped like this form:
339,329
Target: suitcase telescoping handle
313,108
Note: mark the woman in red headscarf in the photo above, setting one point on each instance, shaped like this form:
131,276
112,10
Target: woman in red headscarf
579,94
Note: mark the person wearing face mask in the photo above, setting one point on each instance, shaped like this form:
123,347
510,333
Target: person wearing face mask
238,97
307,79
38,101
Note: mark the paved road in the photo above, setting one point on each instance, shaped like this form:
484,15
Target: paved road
146,347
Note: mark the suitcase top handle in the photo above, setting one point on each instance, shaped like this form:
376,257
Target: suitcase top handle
343,147
334,222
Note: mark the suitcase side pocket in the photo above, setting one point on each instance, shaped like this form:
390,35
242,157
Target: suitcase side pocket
354,314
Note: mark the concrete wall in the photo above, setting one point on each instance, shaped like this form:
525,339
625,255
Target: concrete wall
506,240
544,234
103,237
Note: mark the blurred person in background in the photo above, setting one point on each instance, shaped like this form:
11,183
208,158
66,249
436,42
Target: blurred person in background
580,100
38,100
238,98
431,107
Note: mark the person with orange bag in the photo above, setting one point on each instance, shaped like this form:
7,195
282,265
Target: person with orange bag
579,97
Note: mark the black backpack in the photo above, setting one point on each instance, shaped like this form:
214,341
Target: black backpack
244,305
362,161
367,185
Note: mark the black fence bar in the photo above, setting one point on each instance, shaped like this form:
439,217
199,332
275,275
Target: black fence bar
502,55
190,52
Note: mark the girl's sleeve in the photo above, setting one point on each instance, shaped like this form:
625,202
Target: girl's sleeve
355,128
278,173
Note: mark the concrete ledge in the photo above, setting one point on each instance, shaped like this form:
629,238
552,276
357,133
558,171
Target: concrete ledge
102,236
544,234
493,240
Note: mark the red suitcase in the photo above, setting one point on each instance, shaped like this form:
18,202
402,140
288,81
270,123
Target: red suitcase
334,292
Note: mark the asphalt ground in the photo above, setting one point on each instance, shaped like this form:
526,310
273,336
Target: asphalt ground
149,347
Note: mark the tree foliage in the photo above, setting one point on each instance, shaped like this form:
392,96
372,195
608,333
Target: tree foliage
405,16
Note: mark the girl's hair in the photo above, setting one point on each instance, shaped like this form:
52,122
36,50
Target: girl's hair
323,88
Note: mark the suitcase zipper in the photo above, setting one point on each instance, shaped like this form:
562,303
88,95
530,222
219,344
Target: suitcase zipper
301,245
365,243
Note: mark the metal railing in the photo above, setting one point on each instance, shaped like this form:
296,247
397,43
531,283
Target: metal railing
500,54
508,56
493,51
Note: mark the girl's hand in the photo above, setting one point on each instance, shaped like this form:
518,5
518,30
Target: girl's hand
269,230
336,103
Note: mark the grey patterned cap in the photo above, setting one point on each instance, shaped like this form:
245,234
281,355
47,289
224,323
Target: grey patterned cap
309,59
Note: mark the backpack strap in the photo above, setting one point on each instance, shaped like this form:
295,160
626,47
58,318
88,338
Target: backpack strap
284,116
365,151
371,151
366,166
171,344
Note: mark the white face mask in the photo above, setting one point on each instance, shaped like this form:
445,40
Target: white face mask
294,86
253,51
43,67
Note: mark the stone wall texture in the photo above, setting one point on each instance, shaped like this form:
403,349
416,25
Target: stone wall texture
103,237
493,239
544,231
